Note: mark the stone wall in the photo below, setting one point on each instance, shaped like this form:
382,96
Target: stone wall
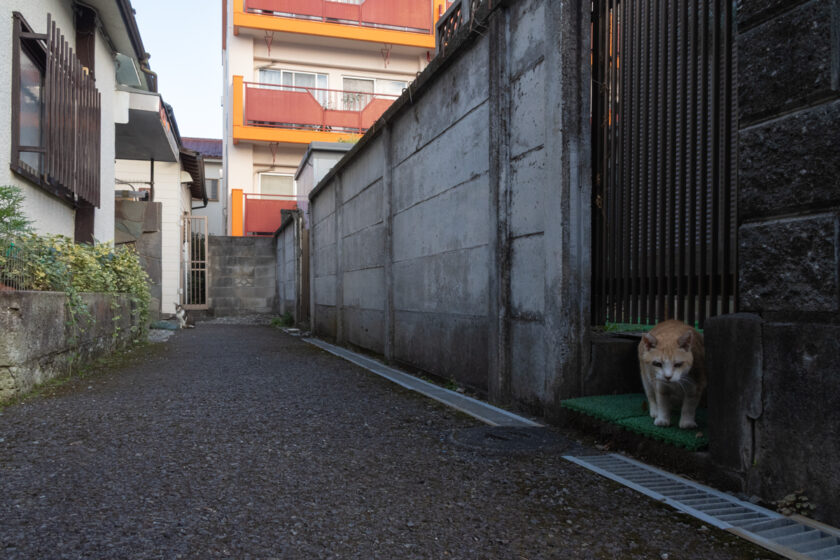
453,237
37,343
774,398
292,246
139,223
242,277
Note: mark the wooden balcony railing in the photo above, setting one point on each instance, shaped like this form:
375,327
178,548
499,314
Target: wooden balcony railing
306,108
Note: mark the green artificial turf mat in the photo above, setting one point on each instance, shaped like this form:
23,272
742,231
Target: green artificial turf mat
630,412
673,434
609,407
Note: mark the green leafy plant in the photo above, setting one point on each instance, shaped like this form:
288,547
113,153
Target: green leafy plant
13,222
286,320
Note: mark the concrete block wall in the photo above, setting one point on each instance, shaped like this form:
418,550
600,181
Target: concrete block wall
242,275
442,239
37,342
775,411
287,244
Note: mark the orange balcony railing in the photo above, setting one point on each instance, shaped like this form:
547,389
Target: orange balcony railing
399,15
305,108
263,212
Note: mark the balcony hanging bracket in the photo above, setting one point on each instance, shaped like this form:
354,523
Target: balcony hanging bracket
386,53
269,38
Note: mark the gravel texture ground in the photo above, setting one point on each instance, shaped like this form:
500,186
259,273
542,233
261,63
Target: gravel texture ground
239,441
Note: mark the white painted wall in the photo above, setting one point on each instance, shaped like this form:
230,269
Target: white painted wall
215,210
103,223
175,199
50,215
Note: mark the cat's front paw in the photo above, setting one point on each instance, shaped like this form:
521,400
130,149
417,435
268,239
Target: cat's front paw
687,423
662,422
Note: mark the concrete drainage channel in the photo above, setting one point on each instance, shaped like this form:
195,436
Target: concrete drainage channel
784,535
796,538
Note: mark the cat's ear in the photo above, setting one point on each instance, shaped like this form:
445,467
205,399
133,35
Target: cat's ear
684,341
649,341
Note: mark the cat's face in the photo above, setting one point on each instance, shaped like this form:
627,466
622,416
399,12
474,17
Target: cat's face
668,362
668,366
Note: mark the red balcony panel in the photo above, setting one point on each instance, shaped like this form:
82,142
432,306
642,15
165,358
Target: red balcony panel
342,119
397,13
341,11
263,212
373,111
270,105
414,15
293,107
295,7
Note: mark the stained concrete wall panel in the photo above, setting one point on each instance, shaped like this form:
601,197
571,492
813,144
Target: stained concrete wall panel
527,31
787,62
363,210
527,277
456,93
458,155
455,282
365,328
366,170
527,364
324,260
457,219
364,289
790,265
449,346
797,431
324,290
324,204
527,111
364,249
790,164
527,184
325,321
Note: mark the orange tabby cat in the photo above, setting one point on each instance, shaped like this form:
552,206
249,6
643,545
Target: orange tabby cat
671,359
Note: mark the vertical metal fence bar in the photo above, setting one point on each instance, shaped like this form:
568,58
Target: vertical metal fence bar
692,178
705,182
715,283
728,290
616,161
662,182
673,143
682,129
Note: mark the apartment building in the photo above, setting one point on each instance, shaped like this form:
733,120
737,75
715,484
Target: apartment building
302,71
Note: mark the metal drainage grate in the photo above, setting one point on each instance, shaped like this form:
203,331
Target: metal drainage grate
783,535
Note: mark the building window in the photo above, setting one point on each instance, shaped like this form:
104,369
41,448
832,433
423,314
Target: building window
27,118
315,84
212,188
277,184
55,116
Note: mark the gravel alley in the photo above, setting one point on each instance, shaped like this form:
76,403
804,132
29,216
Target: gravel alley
239,441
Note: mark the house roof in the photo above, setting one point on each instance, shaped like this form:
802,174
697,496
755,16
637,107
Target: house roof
210,148
193,163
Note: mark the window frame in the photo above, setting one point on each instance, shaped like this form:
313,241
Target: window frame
210,198
25,42
274,173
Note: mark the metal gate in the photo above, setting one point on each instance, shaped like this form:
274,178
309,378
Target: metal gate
196,276
663,146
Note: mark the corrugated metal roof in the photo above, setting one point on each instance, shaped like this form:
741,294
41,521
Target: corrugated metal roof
210,148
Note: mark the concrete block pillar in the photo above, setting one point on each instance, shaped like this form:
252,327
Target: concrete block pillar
734,361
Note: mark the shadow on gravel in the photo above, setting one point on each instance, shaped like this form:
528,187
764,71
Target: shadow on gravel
508,440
